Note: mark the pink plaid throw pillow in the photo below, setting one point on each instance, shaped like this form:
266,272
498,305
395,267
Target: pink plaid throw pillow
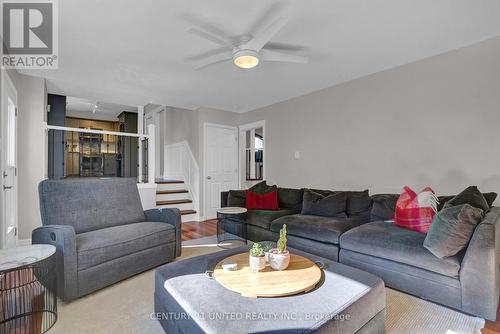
416,211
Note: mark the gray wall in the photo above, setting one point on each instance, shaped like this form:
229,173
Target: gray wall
180,125
187,125
433,122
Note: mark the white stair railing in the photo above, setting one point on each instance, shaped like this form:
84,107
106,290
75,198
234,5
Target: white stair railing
150,138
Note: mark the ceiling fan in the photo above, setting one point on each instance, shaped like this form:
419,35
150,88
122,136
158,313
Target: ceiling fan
96,108
249,50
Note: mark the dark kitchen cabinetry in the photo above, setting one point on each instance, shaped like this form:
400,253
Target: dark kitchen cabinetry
56,115
91,162
127,146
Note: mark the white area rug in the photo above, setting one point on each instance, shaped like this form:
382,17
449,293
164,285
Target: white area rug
126,307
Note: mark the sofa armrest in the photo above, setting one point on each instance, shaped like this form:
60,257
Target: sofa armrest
223,199
170,216
480,272
64,239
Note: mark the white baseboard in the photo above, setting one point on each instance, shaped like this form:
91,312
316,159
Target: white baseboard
24,242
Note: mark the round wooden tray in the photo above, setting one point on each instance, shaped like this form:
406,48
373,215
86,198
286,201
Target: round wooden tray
302,275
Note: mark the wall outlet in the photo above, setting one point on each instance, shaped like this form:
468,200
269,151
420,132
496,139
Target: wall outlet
297,154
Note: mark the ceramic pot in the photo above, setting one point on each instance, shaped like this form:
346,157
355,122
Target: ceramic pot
256,263
279,261
267,245
266,256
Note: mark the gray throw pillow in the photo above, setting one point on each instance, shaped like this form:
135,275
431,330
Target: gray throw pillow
452,229
262,188
383,207
472,196
359,204
490,198
290,198
333,205
237,198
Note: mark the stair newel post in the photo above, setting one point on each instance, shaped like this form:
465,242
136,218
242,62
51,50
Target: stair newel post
151,153
140,131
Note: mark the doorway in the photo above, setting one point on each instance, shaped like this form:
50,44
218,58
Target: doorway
8,163
220,169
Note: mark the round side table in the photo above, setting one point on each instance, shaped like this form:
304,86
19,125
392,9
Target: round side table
231,225
28,300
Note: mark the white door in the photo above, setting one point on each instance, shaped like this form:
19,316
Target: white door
8,163
221,165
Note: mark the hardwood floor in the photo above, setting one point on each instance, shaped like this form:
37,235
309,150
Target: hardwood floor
492,327
195,230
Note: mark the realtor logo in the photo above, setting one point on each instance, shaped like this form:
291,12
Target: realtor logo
29,31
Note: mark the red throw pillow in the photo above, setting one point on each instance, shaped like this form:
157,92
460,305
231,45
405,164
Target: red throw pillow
267,201
416,211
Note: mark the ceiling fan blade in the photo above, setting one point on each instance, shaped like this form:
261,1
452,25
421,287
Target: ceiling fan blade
206,54
269,55
263,36
277,46
213,60
211,37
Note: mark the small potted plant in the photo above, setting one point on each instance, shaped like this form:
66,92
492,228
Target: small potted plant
256,260
268,246
279,257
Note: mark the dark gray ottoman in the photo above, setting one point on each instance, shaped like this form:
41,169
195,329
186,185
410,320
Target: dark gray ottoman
347,300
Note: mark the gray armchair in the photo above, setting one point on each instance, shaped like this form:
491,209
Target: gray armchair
101,233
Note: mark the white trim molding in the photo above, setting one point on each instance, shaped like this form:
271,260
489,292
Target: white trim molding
147,192
103,132
8,89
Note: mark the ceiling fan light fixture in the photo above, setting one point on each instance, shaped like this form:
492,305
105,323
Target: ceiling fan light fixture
246,59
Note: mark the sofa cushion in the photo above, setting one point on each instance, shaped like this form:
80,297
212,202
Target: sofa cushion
237,198
490,198
470,195
452,229
99,246
359,204
323,229
326,205
90,204
290,198
383,206
262,188
263,218
442,200
388,241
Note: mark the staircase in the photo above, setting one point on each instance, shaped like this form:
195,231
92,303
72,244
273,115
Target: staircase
174,194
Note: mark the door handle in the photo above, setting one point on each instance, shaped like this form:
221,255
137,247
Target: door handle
7,187
5,174
209,177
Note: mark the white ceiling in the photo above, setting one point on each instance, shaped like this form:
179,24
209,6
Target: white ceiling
138,52
82,108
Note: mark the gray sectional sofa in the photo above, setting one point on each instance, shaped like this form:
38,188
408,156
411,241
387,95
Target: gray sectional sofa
363,238
101,233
